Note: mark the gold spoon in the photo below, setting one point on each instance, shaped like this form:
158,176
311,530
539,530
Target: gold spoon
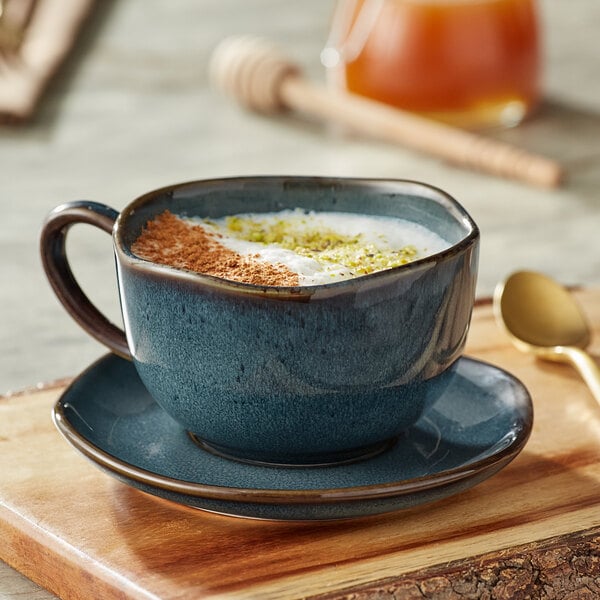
542,317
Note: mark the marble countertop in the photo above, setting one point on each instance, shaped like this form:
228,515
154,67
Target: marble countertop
132,110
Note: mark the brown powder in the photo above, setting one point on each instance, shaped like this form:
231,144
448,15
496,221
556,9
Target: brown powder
169,240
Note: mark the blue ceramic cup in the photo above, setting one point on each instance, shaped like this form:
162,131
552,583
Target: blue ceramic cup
284,375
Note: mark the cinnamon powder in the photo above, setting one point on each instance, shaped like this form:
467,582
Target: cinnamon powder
169,240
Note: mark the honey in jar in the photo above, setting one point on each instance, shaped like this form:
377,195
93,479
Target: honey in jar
471,63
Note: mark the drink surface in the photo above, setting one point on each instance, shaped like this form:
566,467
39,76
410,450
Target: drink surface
287,248
473,63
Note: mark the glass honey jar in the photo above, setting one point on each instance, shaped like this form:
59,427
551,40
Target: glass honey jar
471,63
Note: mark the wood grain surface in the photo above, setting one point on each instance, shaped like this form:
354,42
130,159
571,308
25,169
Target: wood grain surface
81,534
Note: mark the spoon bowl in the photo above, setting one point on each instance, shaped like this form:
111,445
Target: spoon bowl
541,317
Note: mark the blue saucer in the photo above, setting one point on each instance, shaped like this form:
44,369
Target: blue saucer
478,426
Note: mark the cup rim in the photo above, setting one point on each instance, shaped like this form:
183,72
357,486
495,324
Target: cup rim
303,291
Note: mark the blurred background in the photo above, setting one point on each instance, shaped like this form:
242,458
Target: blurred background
130,109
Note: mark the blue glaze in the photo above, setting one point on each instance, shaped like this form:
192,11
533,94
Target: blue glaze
472,428
299,375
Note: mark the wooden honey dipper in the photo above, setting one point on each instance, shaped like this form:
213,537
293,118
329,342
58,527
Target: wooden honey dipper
255,73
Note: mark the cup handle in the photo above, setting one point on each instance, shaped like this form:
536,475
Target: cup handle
58,271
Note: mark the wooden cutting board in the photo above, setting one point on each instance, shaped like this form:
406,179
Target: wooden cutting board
533,526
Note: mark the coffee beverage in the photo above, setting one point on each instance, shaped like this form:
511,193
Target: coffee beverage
286,248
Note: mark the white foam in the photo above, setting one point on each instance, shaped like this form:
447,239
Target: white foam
383,234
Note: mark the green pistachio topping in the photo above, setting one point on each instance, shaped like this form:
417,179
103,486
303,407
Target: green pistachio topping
323,245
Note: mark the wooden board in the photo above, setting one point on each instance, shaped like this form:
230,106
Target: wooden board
81,534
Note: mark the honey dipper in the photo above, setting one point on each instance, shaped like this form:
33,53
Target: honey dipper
255,73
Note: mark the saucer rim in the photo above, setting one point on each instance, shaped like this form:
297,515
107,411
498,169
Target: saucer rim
338,495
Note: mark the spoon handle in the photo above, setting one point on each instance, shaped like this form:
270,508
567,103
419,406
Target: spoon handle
586,366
